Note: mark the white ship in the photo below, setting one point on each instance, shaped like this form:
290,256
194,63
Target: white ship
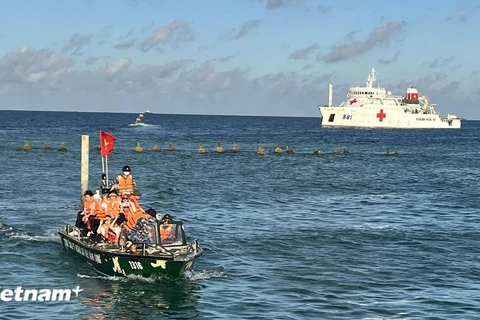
371,107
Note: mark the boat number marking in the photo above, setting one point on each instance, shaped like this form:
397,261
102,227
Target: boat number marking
347,117
135,265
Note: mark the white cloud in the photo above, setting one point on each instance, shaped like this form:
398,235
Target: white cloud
246,28
76,44
391,60
276,4
173,33
304,53
354,48
179,86
118,65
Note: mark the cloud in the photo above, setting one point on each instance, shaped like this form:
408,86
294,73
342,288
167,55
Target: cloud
424,83
76,44
126,41
91,60
246,28
304,53
121,64
323,9
173,33
104,34
378,36
126,44
391,60
121,85
31,66
450,88
439,63
460,18
146,28
54,81
276,4
226,58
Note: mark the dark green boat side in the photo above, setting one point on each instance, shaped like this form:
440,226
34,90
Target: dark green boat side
155,259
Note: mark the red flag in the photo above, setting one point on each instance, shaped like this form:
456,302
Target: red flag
107,141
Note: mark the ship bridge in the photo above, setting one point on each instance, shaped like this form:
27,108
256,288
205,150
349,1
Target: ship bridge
368,91
365,92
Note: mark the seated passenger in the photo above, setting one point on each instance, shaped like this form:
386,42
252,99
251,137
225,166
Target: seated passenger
166,229
87,205
104,227
113,229
96,214
135,224
135,197
111,204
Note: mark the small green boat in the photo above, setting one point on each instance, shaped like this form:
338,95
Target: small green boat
159,258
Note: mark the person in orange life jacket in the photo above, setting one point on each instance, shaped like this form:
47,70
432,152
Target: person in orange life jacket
109,210
87,205
135,223
125,181
134,198
96,214
166,229
111,204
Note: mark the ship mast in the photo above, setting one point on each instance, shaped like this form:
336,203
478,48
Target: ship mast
330,94
371,79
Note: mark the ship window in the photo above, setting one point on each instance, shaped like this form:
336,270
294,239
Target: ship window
331,118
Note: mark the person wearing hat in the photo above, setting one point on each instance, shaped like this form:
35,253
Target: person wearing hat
166,229
134,199
111,204
125,181
135,224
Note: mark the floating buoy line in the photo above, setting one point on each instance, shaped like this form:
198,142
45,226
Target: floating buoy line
203,150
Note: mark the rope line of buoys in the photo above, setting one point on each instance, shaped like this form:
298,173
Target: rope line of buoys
202,150
47,146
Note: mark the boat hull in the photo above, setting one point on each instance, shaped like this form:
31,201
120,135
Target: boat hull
372,117
124,264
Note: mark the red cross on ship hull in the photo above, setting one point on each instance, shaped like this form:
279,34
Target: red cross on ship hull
381,115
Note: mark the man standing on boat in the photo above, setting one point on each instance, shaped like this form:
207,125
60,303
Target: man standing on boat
125,181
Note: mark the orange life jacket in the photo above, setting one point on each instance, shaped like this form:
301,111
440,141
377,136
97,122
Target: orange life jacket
132,218
165,231
111,207
97,210
125,183
87,206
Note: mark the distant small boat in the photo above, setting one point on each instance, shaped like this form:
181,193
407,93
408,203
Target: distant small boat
138,121
148,111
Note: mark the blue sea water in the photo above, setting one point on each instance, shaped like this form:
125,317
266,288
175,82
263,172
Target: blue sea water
291,236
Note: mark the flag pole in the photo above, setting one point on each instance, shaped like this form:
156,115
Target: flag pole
106,167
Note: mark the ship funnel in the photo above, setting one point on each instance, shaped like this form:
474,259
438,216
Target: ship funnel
411,97
330,94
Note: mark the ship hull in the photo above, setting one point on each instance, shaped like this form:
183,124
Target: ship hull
374,116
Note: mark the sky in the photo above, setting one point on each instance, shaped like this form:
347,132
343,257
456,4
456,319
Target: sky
234,57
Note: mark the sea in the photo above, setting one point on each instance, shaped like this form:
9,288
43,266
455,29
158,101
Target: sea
362,235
